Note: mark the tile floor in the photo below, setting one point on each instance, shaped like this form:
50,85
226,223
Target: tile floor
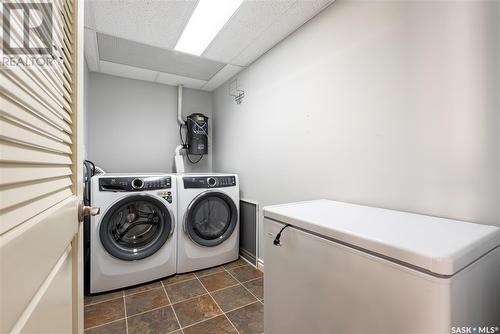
224,299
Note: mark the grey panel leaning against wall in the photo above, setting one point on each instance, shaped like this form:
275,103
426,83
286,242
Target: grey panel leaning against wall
249,214
126,52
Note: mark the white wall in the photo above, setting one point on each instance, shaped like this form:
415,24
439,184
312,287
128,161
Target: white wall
86,75
392,104
132,124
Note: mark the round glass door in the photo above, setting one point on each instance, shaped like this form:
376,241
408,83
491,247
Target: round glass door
211,218
135,227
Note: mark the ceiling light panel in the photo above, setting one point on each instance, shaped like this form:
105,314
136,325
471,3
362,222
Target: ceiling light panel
207,20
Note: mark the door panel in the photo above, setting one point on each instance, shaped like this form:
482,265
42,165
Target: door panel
29,253
41,158
53,310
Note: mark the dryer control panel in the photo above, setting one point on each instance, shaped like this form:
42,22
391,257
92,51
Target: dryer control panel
135,183
208,181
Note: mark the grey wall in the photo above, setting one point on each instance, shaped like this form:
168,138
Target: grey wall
132,124
392,104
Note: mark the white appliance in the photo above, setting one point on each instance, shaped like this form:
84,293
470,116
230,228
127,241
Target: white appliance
208,207
345,268
132,240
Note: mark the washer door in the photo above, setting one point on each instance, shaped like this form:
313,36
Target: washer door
136,227
211,218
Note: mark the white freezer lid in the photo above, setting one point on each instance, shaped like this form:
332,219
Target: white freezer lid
439,245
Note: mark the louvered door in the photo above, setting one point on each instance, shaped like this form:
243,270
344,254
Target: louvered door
39,174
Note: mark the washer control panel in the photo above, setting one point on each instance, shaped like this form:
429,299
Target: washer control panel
208,181
135,183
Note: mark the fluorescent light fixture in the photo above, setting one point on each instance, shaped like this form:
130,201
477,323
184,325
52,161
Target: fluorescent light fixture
207,20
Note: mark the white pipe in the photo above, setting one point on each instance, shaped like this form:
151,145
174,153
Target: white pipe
179,105
178,149
179,160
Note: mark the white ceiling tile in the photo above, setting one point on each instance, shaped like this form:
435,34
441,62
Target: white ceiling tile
246,25
221,77
90,50
152,22
174,80
295,16
127,71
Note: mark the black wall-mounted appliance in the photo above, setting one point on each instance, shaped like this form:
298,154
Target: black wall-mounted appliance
197,134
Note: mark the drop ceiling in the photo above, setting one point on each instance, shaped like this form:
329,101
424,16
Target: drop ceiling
136,38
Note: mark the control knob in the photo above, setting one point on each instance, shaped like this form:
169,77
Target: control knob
137,183
211,182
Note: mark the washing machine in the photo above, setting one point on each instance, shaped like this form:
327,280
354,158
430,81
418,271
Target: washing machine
208,210
133,239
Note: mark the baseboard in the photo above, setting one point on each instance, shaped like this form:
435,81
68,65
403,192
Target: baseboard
260,265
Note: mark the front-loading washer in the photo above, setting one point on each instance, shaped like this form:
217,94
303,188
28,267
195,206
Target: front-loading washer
133,239
208,207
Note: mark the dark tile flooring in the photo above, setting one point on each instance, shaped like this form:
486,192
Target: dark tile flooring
224,299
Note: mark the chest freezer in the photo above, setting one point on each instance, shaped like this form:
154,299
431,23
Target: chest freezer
345,268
